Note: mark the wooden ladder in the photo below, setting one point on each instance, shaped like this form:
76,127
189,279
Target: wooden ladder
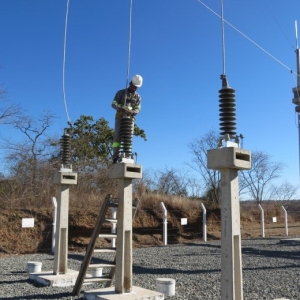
86,264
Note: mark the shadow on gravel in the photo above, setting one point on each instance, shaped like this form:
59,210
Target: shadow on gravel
167,271
14,281
18,272
208,245
94,260
78,257
271,253
43,296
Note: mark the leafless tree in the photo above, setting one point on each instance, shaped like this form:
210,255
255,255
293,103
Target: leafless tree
255,182
145,184
8,112
263,172
209,178
35,145
171,182
285,191
2,92
28,158
194,187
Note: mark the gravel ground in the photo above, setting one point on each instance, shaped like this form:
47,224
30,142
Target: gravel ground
270,270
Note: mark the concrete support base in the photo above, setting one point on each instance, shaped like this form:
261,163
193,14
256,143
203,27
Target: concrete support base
110,294
50,279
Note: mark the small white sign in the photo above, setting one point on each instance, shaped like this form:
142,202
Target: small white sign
274,219
183,221
28,222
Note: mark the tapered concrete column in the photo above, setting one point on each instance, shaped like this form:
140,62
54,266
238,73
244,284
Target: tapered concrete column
229,160
124,172
63,179
61,239
231,261
123,281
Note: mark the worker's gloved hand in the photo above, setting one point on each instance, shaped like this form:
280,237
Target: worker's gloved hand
131,113
122,110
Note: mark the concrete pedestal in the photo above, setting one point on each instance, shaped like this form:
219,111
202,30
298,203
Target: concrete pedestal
124,172
231,257
229,160
50,279
137,293
63,179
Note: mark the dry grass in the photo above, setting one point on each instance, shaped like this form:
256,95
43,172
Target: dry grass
147,224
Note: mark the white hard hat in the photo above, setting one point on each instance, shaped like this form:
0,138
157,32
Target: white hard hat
137,80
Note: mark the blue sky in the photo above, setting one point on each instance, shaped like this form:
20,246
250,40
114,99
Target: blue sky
177,47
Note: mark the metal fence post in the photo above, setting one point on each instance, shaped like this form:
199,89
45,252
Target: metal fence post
54,202
262,221
165,224
285,221
204,223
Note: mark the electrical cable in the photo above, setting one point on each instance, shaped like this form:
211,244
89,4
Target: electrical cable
245,36
268,8
223,36
297,82
64,62
129,44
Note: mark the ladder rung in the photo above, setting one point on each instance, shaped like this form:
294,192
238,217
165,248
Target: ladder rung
111,220
97,279
93,266
105,250
108,235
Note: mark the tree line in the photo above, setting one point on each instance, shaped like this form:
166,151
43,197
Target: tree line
29,163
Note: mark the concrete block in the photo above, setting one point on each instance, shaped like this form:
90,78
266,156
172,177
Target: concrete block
50,279
110,294
229,158
125,170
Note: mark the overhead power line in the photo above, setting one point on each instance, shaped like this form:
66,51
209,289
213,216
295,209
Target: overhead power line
64,62
245,36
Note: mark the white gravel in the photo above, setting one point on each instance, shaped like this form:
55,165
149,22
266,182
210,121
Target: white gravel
270,270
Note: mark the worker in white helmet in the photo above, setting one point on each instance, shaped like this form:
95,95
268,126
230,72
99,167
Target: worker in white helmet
127,102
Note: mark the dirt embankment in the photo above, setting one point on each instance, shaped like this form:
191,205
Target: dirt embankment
147,225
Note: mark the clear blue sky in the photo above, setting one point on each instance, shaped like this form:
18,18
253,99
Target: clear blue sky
177,48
